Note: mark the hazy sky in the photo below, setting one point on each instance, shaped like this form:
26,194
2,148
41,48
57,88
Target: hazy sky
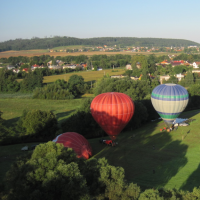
100,18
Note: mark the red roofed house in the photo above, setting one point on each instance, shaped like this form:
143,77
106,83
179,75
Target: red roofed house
33,67
25,70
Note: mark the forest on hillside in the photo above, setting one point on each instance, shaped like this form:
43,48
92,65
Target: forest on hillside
56,41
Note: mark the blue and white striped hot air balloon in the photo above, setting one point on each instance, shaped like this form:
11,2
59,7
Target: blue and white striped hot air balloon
169,100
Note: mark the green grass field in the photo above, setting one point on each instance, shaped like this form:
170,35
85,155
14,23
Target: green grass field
175,158
87,75
12,108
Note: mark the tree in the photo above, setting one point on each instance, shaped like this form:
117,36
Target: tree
51,172
31,81
189,79
150,194
89,65
179,69
37,124
76,85
8,82
142,59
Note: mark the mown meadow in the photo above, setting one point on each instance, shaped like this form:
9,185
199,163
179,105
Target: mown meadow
151,158
87,75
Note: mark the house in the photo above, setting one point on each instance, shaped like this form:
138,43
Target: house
54,67
165,62
179,76
138,65
69,66
10,67
59,62
84,65
25,70
166,78
33,67
129,67
16,71
196,71
118,76
134,78
49,63
177,62
195,65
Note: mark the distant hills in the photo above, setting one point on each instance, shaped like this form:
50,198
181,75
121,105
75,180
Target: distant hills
47,43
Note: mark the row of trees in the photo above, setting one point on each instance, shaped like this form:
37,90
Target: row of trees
8,82
62,89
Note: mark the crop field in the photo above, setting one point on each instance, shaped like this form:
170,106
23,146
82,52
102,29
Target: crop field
39,52
87,75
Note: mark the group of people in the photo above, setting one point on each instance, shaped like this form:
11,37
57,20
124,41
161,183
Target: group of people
171,128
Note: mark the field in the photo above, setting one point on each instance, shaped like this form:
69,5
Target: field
12,108
151,158
87,75
39,52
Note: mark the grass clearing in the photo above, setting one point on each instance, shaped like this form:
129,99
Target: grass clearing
12,108
87,75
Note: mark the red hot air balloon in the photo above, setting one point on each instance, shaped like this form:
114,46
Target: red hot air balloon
112,111
77,142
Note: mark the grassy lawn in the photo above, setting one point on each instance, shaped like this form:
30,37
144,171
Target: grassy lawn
173,163
150,159
87,75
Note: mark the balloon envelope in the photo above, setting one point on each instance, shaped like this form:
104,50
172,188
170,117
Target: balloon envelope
112,111
77,142
169,100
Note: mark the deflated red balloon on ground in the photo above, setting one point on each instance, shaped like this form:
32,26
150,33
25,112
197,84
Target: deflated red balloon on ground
77,142
112,111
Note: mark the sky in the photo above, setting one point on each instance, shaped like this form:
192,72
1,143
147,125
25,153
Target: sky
176,19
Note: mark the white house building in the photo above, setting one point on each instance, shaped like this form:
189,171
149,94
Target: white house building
195,65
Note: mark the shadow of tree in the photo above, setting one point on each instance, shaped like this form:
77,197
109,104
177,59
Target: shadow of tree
62,116
11,122
192,181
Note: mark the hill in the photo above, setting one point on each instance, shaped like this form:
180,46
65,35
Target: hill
47,43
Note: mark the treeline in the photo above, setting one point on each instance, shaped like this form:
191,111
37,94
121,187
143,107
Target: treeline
47,43
33,83
8,82
103,61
